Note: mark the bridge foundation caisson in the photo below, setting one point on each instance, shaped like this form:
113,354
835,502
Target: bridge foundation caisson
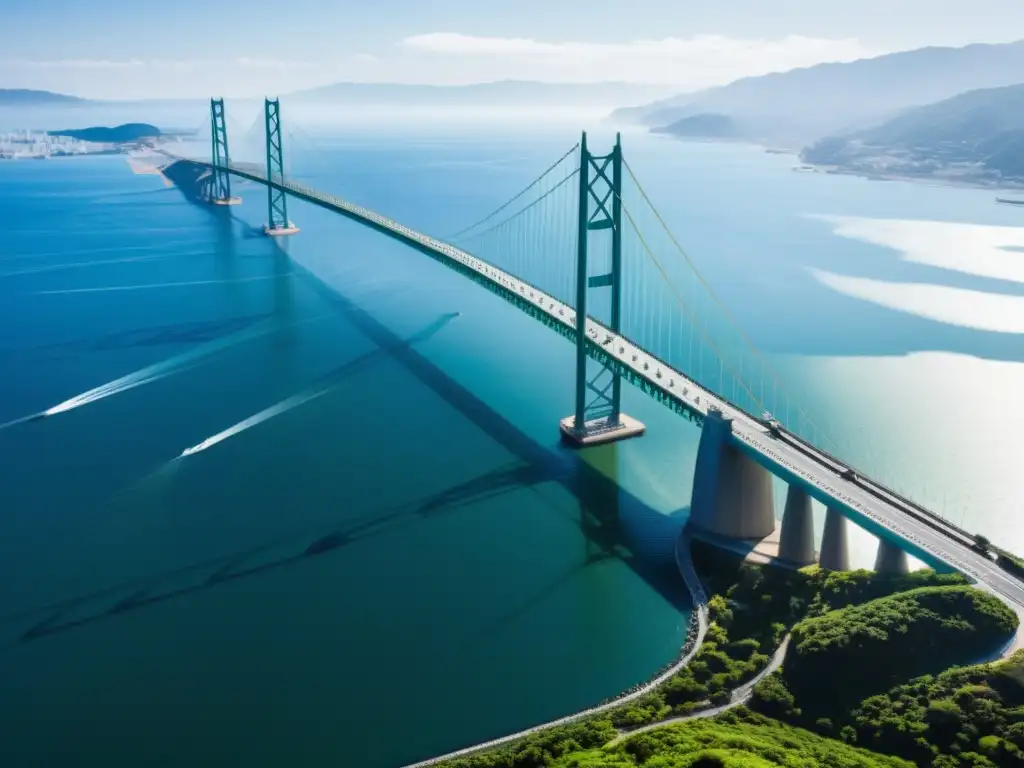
732,493
278,224
219,181
891,559
835,550
597,417
796,542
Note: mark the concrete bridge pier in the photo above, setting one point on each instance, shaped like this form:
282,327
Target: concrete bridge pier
891,559
796,543
835,552
732,493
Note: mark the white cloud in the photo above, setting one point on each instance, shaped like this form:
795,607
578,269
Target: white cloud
79,64
696,61
164,64
442,58
247,63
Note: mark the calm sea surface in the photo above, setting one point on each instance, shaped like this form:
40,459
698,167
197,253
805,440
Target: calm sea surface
377,549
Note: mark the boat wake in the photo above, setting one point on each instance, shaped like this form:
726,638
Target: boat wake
326,384
80,264
169,367
257,418
150,286
116,387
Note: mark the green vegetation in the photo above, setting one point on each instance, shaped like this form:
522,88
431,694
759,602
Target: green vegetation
838,658
965,716
751,610
738,739
541,749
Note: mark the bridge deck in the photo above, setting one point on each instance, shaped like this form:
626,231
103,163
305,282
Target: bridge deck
880,511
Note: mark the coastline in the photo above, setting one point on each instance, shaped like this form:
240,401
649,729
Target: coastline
695,632
930,181
1010,187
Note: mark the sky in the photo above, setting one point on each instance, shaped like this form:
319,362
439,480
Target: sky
121,49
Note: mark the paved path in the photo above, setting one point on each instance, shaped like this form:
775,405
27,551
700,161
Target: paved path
739,696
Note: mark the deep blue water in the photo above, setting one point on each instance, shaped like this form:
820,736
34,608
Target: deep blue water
401,559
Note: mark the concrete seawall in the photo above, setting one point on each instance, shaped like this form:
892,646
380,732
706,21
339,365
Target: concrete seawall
695,633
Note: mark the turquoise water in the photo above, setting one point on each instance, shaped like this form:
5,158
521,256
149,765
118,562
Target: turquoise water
393,556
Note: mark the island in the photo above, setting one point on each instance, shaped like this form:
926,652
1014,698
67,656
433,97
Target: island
121,134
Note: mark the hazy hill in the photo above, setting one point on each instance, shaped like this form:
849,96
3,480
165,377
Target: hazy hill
979,133
117,135
21,97
804,104
708,126
501,93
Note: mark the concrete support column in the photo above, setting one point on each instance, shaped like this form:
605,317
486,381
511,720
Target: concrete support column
891,559
796,544
835,553
732,493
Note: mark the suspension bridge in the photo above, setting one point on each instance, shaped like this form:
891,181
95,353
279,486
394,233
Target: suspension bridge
578,250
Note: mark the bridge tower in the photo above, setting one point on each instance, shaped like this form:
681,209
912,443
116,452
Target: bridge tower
599,419
220,180
277,199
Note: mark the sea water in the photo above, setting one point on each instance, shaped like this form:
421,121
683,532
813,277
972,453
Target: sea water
303,500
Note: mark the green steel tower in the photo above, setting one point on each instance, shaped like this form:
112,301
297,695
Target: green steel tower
220,181
277,199
600,208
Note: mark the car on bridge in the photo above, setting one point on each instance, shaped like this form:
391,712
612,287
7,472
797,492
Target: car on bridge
774,427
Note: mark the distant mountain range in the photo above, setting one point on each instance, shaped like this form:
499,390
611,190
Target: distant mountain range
976,136
501,93
20,97
796,107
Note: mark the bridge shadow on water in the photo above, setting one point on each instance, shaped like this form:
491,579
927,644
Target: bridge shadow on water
613,520
614,523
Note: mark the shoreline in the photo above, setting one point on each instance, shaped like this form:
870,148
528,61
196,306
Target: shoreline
695,632
1010,187
929,181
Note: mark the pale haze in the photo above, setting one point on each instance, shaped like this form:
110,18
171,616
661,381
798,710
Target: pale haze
108,49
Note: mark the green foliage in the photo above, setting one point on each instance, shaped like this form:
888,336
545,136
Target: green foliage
646,709
772,698
964,716
841,657
737,739
751,609
542,749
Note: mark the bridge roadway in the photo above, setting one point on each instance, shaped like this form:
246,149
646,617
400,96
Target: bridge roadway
880,511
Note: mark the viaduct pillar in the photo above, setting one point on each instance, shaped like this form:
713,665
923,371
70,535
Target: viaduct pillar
891,559
796,544
732,493
835,550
